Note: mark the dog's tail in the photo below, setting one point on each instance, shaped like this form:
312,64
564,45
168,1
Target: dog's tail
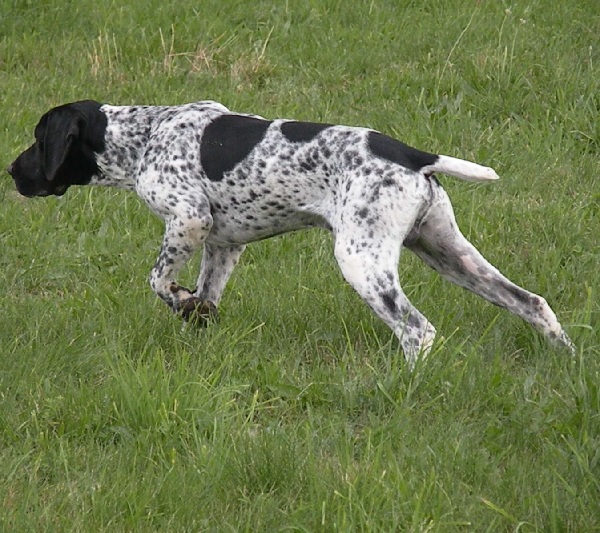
461,169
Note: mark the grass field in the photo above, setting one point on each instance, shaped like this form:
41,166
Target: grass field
297,411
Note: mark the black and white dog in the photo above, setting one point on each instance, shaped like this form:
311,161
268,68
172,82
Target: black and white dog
222,180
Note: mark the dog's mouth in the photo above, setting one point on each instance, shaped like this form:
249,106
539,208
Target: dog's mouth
29,190
32,187
37,194
34,192
60,190
42,193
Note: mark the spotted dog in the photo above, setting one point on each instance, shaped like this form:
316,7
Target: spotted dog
221,180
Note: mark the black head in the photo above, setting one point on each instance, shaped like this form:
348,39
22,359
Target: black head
66,141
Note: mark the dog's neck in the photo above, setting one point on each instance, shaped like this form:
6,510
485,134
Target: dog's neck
128,131
126,137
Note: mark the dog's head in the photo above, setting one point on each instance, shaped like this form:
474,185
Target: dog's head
63,154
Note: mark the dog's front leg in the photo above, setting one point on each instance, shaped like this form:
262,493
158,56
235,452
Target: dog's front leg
217,264
183,236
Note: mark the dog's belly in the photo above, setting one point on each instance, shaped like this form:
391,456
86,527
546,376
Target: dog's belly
243,228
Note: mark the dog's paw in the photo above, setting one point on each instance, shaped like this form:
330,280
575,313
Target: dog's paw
198,312
564,341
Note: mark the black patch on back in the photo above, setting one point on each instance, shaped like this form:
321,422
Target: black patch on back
302,131
398,152
227,140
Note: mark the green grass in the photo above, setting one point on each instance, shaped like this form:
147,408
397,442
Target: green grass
297,412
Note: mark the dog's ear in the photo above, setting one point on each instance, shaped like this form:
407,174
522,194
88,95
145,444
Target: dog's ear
64,128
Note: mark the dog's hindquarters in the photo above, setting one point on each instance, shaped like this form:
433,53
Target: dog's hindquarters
441,245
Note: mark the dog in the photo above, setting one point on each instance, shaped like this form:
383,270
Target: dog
221,180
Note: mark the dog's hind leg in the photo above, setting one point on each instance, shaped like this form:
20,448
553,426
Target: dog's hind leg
368,233
440,244
373,273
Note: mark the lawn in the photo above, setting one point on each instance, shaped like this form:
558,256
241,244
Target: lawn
297,411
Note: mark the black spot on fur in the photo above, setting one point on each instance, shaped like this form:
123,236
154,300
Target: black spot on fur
227,140
302,131
308,166
389,300
398,152
362,213
414,321
518,294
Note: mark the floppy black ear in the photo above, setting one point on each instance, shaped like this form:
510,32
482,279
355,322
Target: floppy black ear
63,130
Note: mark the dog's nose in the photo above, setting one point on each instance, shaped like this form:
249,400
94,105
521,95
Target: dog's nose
10,169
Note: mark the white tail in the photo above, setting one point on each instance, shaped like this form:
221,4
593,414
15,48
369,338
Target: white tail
461,169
